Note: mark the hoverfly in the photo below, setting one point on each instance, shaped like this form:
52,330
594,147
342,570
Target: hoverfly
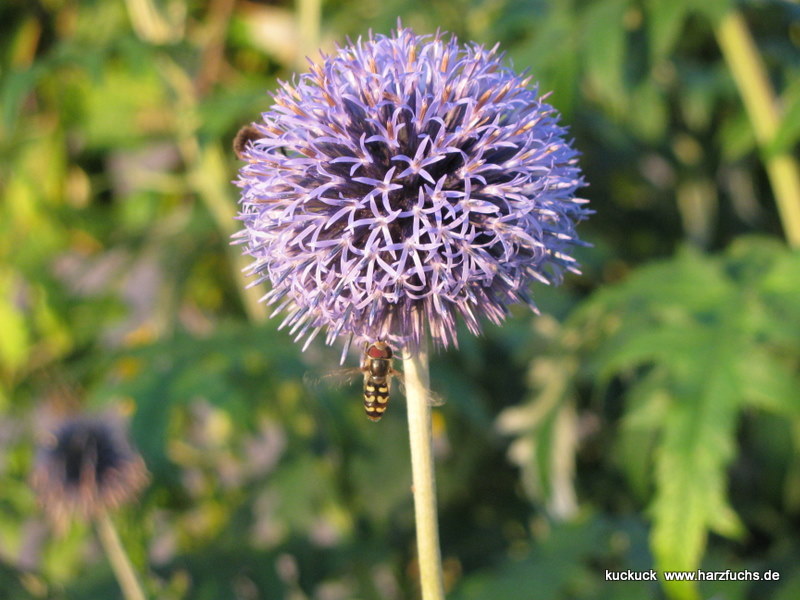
378,373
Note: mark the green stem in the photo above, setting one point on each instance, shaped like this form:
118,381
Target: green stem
759,99
309,15
120,563
209,178
151,26
424,478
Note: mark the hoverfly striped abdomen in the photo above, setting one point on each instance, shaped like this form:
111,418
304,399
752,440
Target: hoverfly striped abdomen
377,367
377,373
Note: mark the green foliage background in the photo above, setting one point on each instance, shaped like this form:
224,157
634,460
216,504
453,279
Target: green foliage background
649,419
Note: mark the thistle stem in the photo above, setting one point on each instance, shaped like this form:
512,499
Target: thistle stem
424,478
763,110
120,563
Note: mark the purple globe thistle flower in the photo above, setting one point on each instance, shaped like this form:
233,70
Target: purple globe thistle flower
87,466
402,182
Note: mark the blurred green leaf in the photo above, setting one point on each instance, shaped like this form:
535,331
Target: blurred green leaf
737,137
551,567
713,9
604,50
664,25
788,133
14,342
650,119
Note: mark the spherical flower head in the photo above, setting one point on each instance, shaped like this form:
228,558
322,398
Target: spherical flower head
402,182
86,466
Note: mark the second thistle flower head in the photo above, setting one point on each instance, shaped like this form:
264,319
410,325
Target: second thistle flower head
86,467
403,182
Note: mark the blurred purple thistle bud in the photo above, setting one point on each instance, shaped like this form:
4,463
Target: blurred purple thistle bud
403,182
85,467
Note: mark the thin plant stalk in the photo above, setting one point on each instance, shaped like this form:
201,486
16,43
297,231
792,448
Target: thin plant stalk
120,563
309,14
750,75
206,172
151,26
429,557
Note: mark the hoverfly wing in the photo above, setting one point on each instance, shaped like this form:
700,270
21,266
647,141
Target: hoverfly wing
334,379
434,398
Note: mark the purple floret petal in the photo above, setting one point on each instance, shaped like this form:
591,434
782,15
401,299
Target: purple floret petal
402,184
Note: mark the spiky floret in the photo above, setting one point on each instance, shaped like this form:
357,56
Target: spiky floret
402,182
86,466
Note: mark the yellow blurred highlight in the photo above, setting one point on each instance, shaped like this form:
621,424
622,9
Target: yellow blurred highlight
83,242
794,33
23,48
15,338
219,427
126,406
438,424
78,188
56,337
633,18
144,334
128,367
207,520
338,517
687,149
34,585
451,572
182,453
289,395
253,362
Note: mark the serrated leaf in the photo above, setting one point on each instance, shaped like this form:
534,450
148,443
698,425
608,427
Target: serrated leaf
781,281
777,287
697,445
788,133
687,282
648,402
696,339
557,564
769,383
667,346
